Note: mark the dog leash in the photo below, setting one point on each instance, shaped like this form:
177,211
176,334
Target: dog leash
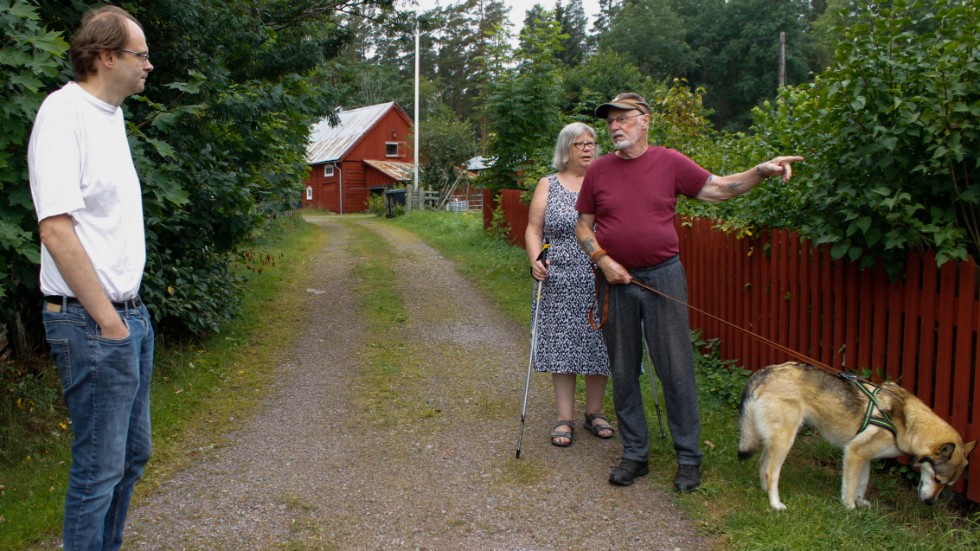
883,420
604,309
774,344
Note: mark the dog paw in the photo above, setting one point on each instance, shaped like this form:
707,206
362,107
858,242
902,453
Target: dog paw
777,505
861,502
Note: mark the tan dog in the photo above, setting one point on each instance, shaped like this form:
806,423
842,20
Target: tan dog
779,399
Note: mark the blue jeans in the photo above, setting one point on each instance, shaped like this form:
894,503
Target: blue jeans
106,386
634,314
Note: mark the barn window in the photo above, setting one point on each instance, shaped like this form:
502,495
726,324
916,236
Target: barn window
391,149
309,193
327,171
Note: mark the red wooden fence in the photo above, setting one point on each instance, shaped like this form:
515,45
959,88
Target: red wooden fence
921,331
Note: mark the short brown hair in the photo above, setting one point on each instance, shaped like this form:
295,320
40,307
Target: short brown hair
102,28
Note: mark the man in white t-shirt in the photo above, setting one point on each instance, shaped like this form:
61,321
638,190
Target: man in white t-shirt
90,210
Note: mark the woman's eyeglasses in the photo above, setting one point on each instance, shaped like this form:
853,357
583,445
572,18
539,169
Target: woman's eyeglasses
584,146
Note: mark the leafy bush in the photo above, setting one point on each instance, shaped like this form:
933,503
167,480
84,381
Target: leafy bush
30,65
722,379
376,205
218,139
891,135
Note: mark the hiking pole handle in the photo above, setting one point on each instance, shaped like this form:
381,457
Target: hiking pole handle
542,256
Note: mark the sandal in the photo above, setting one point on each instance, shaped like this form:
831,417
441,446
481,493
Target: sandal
555,433
597,429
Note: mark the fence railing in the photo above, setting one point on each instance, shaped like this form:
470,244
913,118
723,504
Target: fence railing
922,331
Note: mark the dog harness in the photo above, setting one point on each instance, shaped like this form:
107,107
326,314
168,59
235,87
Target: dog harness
882,420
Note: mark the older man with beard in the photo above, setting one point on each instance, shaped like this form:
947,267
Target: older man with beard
625,222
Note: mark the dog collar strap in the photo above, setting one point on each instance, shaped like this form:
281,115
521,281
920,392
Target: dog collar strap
884,421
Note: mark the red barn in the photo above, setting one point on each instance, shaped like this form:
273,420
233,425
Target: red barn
367,152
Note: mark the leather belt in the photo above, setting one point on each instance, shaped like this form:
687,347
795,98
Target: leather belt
131,304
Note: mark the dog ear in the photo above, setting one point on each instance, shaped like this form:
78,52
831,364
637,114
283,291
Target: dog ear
944,452
969,447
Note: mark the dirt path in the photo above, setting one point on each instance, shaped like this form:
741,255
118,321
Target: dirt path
317,468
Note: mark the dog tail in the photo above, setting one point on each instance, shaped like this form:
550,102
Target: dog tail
748,437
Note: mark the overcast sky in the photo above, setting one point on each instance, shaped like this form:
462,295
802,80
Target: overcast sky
517,9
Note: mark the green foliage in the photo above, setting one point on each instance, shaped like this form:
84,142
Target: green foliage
891,136
218,138
652,36
376,205
599,79
718,378
30,65
499,226
461,54
445,144
575,45
739,64
523,108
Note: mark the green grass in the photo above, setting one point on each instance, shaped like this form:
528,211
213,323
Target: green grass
388,369
199,392
730,505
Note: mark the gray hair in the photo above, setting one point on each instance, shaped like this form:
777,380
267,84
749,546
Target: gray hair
564,144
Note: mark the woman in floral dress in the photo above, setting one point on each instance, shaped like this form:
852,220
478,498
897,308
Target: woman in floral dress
566,345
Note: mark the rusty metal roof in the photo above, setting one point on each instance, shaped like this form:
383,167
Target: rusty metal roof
330,143
401,172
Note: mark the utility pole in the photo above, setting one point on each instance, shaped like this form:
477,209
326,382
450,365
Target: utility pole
782,59
416,133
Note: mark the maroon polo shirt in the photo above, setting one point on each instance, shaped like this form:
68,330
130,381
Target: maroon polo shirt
634,203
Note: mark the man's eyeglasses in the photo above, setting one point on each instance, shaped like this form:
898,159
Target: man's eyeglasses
144,56
584,146
622,119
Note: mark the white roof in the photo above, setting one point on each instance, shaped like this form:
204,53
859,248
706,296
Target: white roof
330,143
479,163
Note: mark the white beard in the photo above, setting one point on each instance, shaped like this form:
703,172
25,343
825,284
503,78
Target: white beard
625,144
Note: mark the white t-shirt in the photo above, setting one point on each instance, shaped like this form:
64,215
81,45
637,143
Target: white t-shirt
80,164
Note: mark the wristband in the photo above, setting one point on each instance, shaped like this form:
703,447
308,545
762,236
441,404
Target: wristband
597,255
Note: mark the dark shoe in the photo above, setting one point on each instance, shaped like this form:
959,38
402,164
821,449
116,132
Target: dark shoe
626,472
565,434
688,478
598,428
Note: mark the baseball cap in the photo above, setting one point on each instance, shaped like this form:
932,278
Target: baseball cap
626,100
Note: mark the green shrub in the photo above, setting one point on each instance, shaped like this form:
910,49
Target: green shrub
722,379
376,205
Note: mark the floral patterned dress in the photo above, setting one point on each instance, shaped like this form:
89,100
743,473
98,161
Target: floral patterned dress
565,341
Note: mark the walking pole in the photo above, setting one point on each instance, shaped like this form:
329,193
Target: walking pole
656,397
534,348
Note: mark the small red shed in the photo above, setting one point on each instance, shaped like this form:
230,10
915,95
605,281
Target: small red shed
367,152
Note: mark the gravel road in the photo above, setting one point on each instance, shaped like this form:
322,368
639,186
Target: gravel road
317,468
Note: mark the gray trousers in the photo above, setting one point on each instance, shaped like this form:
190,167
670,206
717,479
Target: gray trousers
634,314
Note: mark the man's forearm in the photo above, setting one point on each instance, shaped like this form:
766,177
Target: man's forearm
61,241
585,235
